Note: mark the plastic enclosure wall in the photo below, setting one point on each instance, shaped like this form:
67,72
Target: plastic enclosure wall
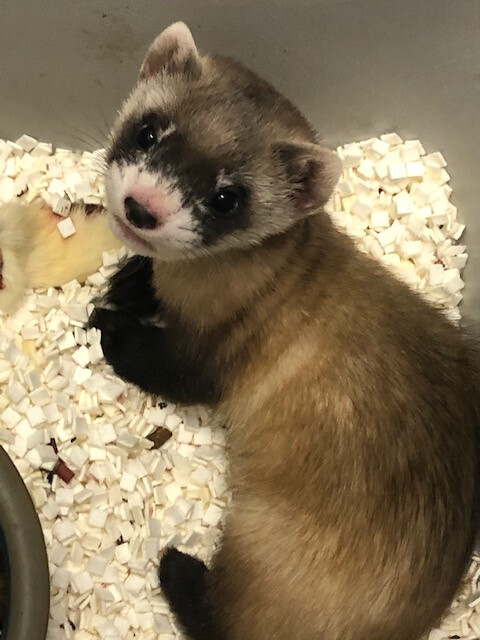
356,68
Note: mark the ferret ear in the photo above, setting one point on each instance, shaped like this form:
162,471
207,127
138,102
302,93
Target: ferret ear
312,173
173,51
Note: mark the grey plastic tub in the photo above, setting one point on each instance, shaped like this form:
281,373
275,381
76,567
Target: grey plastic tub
25,558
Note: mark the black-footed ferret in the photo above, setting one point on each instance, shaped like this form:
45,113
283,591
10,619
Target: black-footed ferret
352,405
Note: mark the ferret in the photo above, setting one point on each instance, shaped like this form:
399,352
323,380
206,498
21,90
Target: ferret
34,254
352,405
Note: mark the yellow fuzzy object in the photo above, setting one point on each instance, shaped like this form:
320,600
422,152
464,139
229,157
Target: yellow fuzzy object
34,254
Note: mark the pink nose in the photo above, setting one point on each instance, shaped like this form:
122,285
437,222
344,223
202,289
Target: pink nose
138,215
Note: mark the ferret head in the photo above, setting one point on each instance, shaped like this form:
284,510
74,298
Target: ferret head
207,157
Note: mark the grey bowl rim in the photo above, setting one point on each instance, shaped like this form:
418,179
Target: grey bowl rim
29,580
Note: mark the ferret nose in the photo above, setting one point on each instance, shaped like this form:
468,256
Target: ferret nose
138,215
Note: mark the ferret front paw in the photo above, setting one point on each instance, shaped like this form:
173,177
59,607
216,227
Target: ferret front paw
133,349
112,324
119,336
130,289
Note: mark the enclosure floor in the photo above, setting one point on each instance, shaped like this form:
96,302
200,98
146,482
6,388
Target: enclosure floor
126,502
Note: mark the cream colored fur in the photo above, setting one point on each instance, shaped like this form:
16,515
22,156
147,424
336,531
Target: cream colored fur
36,255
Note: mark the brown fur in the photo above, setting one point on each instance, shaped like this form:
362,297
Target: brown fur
352,405
353,439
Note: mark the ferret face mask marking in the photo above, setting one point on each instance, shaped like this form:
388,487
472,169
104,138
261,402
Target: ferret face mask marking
197,162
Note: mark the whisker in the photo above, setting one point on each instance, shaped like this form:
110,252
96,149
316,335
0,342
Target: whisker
104,134
108,126
73,137
86,138
85,141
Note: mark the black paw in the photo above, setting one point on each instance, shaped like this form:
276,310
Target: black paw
182,579
130,289
118,333
111,324
133,349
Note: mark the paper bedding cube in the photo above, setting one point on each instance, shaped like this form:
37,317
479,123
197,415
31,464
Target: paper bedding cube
40,249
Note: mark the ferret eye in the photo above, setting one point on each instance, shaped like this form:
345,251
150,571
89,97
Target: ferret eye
146,137
225,201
